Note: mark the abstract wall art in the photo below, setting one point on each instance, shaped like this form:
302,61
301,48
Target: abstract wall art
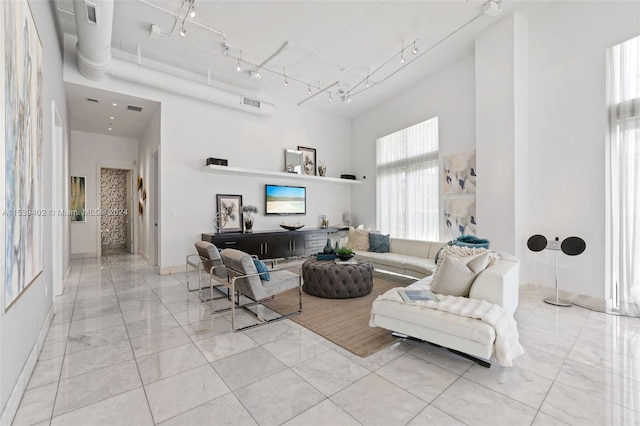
21,121
460,216
78,199
459,173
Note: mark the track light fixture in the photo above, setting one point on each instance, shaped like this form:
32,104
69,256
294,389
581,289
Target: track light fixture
255,73
402,53
239,65
330,97
284,72
366,82
183,31
415,49
192,9
308,89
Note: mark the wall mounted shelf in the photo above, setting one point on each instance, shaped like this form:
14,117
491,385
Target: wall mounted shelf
292,176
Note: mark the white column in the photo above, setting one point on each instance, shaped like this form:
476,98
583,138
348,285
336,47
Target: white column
502,144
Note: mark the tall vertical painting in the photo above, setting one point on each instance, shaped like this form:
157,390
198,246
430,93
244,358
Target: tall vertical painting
78,199
21,121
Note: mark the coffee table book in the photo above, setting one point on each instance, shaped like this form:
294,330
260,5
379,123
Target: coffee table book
414,295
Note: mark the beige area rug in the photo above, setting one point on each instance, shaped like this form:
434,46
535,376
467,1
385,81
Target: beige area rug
345,322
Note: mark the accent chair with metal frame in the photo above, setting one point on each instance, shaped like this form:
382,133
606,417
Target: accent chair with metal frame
245,279
211,262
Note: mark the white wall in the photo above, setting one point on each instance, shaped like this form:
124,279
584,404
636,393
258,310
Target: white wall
567,43
88,152
193,130
21,325
148,146
449,94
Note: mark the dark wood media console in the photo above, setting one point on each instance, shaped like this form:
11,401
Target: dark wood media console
274,244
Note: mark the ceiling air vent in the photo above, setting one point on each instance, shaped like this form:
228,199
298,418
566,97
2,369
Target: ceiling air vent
92,100
134,108
250,102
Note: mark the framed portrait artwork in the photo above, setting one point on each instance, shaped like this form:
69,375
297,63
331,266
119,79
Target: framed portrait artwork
308,160
229,211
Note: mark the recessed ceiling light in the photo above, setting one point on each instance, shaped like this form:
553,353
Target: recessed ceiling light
115,104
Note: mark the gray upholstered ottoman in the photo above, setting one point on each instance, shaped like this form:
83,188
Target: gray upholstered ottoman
323,278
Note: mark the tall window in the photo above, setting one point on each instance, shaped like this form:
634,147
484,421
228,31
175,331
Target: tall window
623,233
407,182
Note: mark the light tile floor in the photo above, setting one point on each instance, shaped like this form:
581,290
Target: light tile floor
130,347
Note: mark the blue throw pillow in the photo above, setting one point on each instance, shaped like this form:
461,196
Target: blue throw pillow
471,241
378,243
262,270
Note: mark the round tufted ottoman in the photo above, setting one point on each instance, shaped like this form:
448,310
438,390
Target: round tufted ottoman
323,278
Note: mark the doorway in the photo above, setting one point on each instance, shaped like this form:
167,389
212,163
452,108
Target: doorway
116,226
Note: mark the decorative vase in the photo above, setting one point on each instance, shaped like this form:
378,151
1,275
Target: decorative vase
328,249
322,169
248,224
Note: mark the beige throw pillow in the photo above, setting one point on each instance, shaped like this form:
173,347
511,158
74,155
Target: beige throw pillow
458,251
358,239
455,275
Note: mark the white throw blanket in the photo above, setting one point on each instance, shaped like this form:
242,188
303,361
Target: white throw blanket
506,348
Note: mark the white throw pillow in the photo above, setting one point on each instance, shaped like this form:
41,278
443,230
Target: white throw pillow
455,275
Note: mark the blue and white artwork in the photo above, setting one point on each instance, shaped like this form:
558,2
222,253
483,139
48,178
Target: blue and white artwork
459,173
460,216
21,121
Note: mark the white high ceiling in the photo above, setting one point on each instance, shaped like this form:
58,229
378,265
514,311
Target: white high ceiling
329,41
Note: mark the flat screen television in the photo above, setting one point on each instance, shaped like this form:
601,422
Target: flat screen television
285,200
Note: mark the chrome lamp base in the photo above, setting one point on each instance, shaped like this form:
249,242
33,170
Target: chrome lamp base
557,302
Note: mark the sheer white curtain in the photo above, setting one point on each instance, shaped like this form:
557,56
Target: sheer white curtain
407,182
624,227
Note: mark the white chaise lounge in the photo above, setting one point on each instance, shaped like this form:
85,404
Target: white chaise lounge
497,284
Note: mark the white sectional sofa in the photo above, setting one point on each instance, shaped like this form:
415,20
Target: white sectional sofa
497,284
405,257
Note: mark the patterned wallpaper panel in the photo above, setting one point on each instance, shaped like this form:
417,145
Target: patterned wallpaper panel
113,200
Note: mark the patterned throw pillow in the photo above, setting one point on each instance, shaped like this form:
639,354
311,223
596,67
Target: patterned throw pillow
262,270
378,243
358,239
458,251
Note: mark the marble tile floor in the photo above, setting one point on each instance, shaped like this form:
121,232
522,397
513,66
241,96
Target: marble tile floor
130,347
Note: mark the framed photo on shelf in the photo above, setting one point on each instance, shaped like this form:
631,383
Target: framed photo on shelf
229,211
308,160
293,161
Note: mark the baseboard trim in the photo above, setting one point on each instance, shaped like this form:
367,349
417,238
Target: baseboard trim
75,256
588,302
168,270
145,256
11,408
